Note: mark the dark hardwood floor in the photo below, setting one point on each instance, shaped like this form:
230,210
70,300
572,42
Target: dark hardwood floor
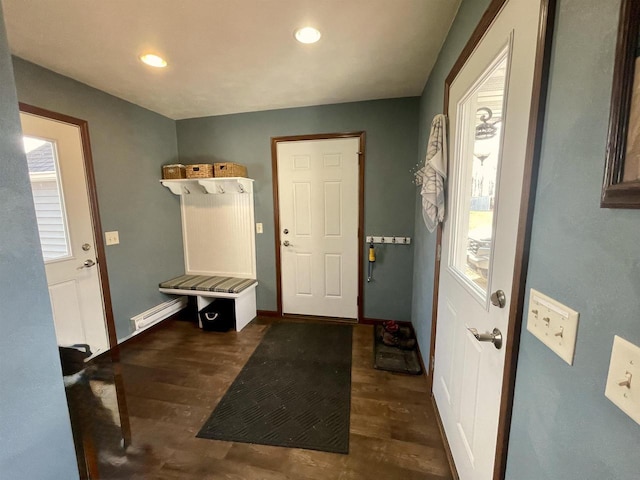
174,377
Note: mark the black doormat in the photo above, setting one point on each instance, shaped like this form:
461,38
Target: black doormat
295,391
394,359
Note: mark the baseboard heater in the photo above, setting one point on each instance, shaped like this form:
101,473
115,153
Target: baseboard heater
156,314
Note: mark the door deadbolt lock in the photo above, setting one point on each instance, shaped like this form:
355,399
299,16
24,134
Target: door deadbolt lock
498,298
285,231
86,247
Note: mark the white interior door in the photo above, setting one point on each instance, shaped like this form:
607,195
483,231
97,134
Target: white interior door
489,107
318,207
58,181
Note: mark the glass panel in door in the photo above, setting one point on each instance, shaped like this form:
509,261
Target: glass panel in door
477,155
44,173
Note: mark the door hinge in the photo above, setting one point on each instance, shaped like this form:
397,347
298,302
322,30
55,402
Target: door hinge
433,360
438,252
358,301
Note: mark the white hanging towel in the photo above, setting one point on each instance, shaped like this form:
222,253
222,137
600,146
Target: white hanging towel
434,174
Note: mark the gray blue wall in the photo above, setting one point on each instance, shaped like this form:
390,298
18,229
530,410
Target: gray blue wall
431,103
584,256
35,434
129,145
391,140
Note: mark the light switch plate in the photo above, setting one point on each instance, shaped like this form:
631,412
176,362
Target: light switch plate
112,238
623,381
259,228
554,324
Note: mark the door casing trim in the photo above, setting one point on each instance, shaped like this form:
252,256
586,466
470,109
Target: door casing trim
96,224
527,203
276,209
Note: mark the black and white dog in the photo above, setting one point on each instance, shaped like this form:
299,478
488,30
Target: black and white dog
92,416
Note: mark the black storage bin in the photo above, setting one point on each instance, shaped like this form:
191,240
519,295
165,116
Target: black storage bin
218,316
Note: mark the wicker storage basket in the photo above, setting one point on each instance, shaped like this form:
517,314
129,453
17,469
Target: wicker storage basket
176,170
229,169
200,170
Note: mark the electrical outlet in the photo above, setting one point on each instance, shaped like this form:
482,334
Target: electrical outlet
555,324
623,380
259,228
112,238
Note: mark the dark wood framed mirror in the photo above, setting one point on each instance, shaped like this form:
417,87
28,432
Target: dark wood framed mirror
621,186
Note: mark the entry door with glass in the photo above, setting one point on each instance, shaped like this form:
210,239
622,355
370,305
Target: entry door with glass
489,105
58,181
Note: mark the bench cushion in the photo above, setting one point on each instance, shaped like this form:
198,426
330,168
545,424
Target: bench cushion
209,284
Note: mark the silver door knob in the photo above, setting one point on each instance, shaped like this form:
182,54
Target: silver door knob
286,243
87,264
494,337
498,298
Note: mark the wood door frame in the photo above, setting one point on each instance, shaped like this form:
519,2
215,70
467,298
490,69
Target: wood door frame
276,208
527,203
96,224
617,193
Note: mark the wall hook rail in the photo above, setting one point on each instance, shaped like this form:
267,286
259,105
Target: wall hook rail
394,240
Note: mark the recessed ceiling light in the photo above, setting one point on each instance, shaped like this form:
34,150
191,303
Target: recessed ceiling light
153,60
307,35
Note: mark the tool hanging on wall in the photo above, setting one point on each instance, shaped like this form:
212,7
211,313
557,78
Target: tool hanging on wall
372,259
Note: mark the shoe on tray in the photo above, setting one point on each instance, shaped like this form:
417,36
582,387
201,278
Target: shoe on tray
392,340
390,326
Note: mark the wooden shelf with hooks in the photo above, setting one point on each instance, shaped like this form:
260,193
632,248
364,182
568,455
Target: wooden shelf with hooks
214,186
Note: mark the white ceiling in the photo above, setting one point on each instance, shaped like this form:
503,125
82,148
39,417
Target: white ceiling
230,56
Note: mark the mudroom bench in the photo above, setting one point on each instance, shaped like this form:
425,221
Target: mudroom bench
207,288
218,237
